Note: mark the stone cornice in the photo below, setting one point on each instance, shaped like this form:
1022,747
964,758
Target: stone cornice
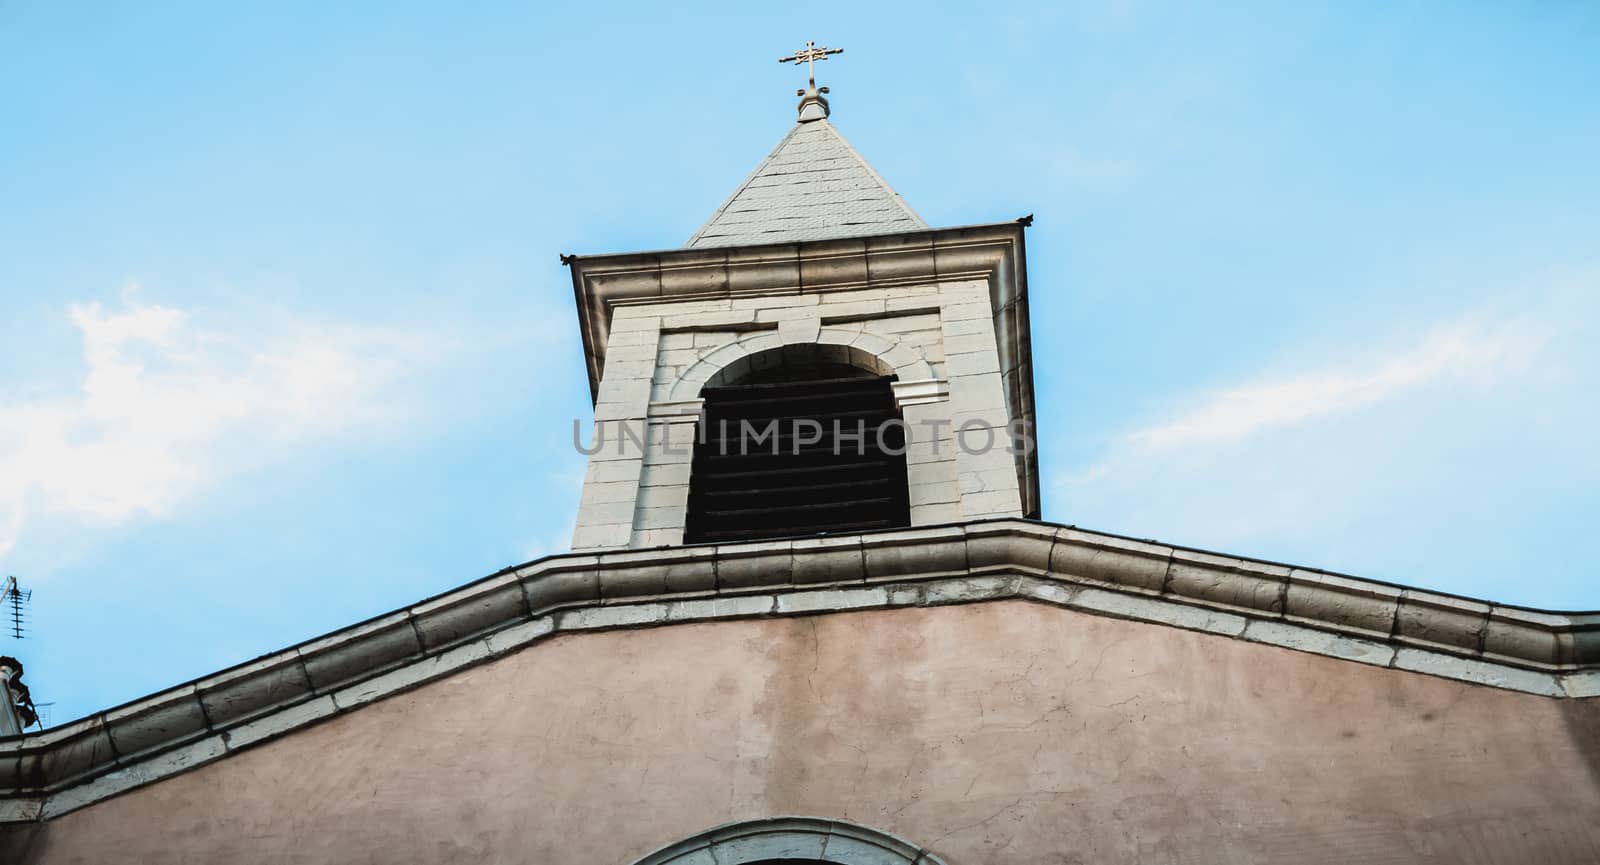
1552,654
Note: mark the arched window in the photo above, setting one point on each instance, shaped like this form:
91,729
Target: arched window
797,442
792,840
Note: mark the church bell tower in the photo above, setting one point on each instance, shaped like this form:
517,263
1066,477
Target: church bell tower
815,360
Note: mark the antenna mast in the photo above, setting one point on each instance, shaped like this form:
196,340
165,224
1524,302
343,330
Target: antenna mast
14,599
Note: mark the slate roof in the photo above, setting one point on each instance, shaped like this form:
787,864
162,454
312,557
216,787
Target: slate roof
813,186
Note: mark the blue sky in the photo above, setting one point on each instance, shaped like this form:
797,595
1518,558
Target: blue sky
287,343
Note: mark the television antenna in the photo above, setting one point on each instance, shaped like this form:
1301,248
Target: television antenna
14,607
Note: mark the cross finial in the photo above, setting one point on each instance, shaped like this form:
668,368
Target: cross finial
810,97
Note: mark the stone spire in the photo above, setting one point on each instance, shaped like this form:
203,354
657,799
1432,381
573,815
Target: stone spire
813,186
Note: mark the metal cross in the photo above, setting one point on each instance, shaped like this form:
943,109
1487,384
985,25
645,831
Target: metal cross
810,55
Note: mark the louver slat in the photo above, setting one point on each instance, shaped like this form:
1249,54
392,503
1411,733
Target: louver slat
786,485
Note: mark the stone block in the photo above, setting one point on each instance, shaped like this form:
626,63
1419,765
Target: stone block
674,474
409,676
899,263
1480,672
1581,685
239,694
654,572
970,343
11,782
83,753
906,594
1151,609
1526,636
831,600
1580,644
840,333
940,492
827,560
621,616
1014,545
872,344
659,518
454,618
693,279
605,513
1047,591
775,267
735,606
610,535
1304,639
1427,619
668,497
351,654
86,793
936,514
977,393
778,300
1228,581
629,339
615,471
752,565
21,810
572,580
633,318
1105,559
1327,599
279,722
994,503
617,491
966,310
160,766
980,325
990,479
859,851
657,538
675,340
937,449
969,589
919,552
971,363
838,309
517,636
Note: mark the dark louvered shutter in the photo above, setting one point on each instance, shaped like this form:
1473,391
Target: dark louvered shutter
833,485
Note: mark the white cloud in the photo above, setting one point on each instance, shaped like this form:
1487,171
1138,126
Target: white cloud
168,406
1466,350
1344,463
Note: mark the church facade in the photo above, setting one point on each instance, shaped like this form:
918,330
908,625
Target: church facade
812,615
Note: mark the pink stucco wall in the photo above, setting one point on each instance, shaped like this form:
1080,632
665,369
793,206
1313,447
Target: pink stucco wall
995,733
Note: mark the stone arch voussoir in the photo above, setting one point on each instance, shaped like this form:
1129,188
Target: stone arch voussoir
845,344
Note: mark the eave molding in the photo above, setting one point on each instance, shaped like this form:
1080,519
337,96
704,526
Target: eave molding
1552,654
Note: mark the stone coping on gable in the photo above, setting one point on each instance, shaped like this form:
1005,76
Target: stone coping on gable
1552,654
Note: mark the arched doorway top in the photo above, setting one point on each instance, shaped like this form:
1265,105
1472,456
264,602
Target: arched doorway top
792,839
